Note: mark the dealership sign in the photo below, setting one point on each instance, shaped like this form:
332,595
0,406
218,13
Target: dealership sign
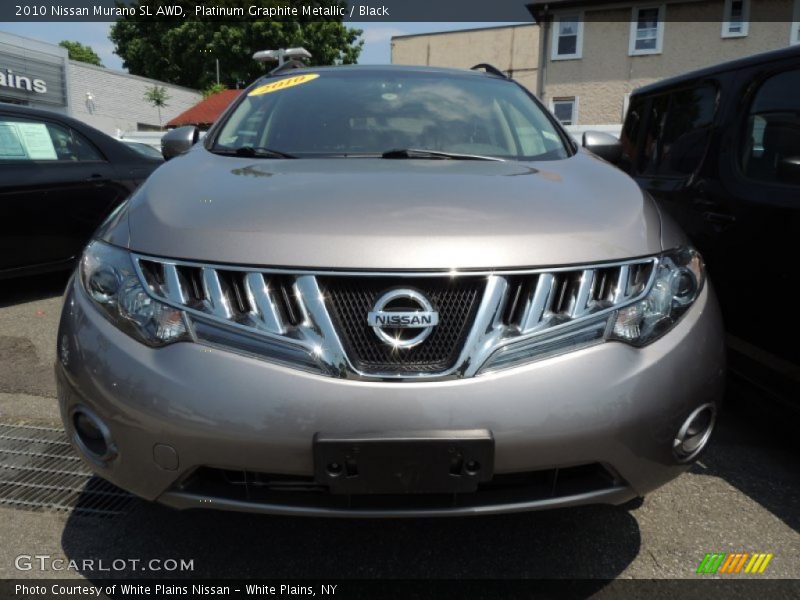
29,75
9,79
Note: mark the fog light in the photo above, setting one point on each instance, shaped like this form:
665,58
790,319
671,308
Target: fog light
92,436
695,432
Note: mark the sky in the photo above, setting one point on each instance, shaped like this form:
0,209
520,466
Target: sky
376,36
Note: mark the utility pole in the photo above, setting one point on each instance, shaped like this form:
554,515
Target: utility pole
216,60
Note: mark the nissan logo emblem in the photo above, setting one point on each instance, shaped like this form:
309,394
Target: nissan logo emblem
399,310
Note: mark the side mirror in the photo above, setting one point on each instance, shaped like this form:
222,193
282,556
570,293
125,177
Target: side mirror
604,145
789,170
179,141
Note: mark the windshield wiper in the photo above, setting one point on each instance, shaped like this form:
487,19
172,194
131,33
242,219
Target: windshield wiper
254,151
417,153
261,151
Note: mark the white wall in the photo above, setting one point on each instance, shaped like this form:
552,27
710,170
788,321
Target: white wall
118,102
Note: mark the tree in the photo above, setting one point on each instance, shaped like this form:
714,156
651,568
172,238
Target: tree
157,96
81,53
184,51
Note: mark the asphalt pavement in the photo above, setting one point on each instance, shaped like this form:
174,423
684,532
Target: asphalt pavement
743,496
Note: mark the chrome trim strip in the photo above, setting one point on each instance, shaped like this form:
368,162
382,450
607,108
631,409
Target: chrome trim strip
318,327
397,273
215,298
172,283
621,293
540,302
487,329
581,306
258,295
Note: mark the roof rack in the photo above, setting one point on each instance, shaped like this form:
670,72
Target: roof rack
491,69
287,66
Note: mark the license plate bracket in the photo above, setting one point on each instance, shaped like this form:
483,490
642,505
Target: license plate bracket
428,462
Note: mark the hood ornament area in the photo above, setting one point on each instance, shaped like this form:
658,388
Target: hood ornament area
403,318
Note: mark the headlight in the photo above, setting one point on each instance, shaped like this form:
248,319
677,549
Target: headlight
111,282
680,276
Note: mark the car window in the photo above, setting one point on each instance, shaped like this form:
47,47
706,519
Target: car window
371,112
770,148
143,149
652,142
687,130
678,131
630,130
25,139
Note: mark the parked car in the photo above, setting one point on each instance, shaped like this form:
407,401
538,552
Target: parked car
144,149
720,150
388,291
59,179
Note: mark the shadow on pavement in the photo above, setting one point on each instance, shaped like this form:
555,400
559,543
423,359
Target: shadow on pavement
35,287
588,542
756,449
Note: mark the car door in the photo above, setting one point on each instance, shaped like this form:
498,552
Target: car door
674,140
760,169
55,187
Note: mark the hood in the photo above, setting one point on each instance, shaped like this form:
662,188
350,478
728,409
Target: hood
365,213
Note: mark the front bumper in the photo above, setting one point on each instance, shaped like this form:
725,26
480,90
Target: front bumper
184,407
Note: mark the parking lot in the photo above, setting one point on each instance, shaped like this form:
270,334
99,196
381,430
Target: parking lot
743,496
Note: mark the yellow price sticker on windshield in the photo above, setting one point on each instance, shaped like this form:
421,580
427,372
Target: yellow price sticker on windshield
282,84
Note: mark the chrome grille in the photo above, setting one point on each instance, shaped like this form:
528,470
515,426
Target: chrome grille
349,299
545,300
317,320
251,298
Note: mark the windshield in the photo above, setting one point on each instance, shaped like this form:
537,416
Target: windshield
368,113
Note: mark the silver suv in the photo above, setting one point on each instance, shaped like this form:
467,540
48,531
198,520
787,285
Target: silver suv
389,291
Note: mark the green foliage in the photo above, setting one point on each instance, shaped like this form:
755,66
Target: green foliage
81,53
157,97
214,88
183,51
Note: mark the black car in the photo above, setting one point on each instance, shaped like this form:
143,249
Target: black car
720,150
59,179
144,149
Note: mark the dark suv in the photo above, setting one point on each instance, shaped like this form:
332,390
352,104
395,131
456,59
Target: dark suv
720,150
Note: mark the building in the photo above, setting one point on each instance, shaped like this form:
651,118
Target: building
207,111
513,49
40,75
584,57
593,53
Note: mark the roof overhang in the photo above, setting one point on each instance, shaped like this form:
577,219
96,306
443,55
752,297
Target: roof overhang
541,10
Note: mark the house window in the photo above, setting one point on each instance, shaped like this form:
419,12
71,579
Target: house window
794,36
647,30
567,37
566,110
735,20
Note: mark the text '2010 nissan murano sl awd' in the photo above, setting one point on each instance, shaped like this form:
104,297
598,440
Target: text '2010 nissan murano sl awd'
389,291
